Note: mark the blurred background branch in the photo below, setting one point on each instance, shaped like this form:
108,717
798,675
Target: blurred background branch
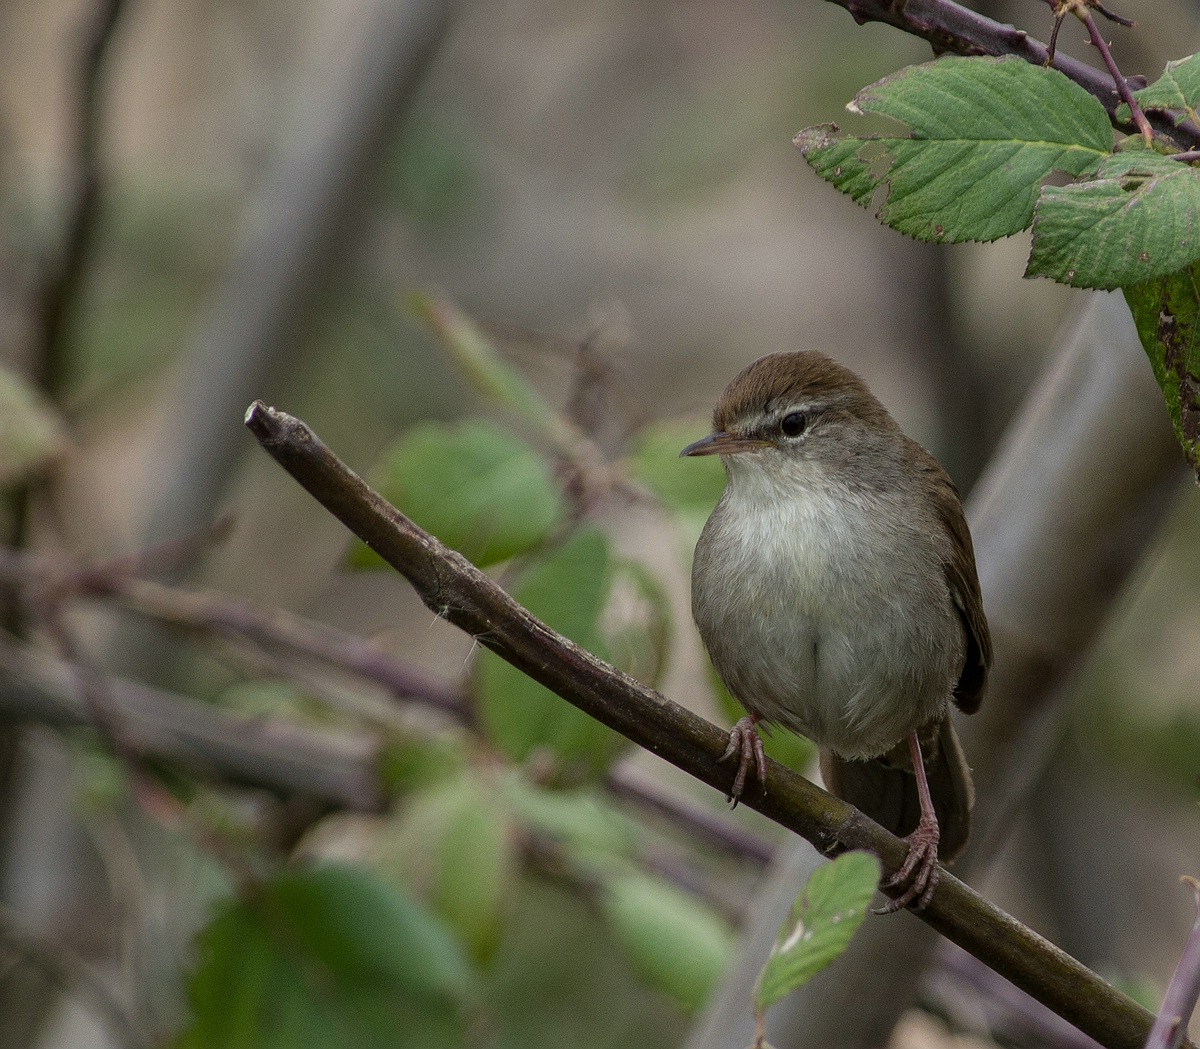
60,290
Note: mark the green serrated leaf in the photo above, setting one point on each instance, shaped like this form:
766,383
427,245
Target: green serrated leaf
568,590
478,488
1177,90
328,956
824,919
1167,315
985,133
677,943
31,433
1137,220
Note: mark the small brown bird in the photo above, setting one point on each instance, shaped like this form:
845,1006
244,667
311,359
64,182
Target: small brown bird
835,589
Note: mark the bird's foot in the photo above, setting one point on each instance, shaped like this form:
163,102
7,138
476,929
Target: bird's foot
919,874
746,744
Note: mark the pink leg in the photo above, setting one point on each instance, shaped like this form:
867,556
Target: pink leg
919,874
747,745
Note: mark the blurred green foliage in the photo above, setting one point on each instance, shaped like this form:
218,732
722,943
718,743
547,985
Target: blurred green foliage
480,489
329,956
567,589
432,174
31,433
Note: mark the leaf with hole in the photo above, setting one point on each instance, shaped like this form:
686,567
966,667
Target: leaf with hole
1167,315
985,133
824,919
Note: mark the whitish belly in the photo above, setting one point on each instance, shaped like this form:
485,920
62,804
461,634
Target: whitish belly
835,635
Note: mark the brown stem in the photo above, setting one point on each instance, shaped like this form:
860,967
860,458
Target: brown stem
457,591
1101,45
1183,990
1052,47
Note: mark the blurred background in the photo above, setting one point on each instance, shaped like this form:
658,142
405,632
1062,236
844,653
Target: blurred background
243,207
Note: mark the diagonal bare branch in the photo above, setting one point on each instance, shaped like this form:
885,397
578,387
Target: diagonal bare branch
457,591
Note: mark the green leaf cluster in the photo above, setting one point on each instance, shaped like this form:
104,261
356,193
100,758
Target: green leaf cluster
984,136
457,845
498,499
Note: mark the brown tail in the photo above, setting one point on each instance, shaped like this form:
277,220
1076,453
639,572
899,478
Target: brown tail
885,788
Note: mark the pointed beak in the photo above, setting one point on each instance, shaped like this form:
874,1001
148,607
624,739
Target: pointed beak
721,443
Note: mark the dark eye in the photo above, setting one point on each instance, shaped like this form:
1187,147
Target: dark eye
793,424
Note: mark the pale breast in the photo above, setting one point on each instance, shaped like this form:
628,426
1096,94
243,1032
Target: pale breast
821,620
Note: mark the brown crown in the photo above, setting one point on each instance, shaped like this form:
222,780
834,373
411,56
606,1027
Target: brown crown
781,379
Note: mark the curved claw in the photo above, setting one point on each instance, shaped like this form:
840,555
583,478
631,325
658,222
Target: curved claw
919,873
747,745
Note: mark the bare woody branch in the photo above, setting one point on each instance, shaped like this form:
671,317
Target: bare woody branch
458,592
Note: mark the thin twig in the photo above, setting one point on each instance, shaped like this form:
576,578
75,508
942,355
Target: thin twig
711,828
234,618
74,976
974,998
1101,45
61,284
458,592
1183,990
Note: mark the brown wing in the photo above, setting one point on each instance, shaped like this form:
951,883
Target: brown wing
963,581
